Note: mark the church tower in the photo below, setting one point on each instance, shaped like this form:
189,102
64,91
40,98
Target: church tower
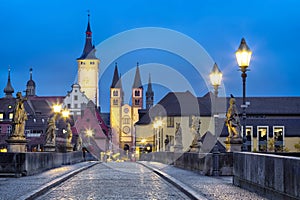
137,95
116,102
8,90
149,95
88,68
30,86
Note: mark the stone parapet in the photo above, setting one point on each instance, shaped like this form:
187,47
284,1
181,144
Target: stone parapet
276,177
29,163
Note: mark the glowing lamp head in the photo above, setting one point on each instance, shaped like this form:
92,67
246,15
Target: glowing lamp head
243,54
143,141
215,75
56,108
89,132
65,113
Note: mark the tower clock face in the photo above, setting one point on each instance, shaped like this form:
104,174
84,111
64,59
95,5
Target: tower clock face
126,129
126,110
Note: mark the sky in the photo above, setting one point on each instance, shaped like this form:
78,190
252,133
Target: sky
49,36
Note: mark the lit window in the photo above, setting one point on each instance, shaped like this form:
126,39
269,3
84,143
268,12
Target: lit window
11,116
278,134
1,116
262,137
9,130
170,121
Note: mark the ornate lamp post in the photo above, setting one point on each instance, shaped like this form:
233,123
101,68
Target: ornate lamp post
215,78
243,56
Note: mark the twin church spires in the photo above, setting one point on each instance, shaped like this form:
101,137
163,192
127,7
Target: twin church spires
137,90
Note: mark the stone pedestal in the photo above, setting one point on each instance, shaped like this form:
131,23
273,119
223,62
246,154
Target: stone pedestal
178,148
49,148
233,144
17,144
69,147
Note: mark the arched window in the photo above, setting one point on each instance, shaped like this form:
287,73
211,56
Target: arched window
115,93
137,93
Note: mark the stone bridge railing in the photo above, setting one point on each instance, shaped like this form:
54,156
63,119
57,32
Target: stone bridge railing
18,164
274,176
203,163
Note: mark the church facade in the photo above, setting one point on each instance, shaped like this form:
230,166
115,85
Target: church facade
124,116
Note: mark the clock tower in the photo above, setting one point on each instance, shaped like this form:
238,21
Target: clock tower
88,68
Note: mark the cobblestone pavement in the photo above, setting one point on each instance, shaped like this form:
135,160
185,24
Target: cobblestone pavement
23,187
212,188
125,180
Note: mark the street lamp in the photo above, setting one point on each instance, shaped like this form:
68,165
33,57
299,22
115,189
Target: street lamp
243,56
215,78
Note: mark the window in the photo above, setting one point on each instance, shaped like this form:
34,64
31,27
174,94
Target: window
137,93
136,102
75,91
92,63
115,102
278,134
249,138
8,130
170,121
262,136
1,116
75,105
115,93
0,129
75,97
83,63
69,105
126,120
11,116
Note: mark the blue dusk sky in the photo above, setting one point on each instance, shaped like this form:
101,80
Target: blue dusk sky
49,36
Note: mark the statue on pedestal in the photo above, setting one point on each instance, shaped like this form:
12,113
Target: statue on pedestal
19,117
79,143
234,139
196,143
178,139
69,134
233,120
17,140
51,131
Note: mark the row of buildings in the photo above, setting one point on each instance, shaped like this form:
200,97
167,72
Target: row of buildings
273,123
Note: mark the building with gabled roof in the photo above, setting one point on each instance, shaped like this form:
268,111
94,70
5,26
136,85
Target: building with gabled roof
273,123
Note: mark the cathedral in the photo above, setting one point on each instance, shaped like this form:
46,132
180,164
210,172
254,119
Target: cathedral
124,116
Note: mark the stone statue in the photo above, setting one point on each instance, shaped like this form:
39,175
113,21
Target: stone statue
233,120
178,138
69,134
19,117
167,141
196,143
50,131
79,143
